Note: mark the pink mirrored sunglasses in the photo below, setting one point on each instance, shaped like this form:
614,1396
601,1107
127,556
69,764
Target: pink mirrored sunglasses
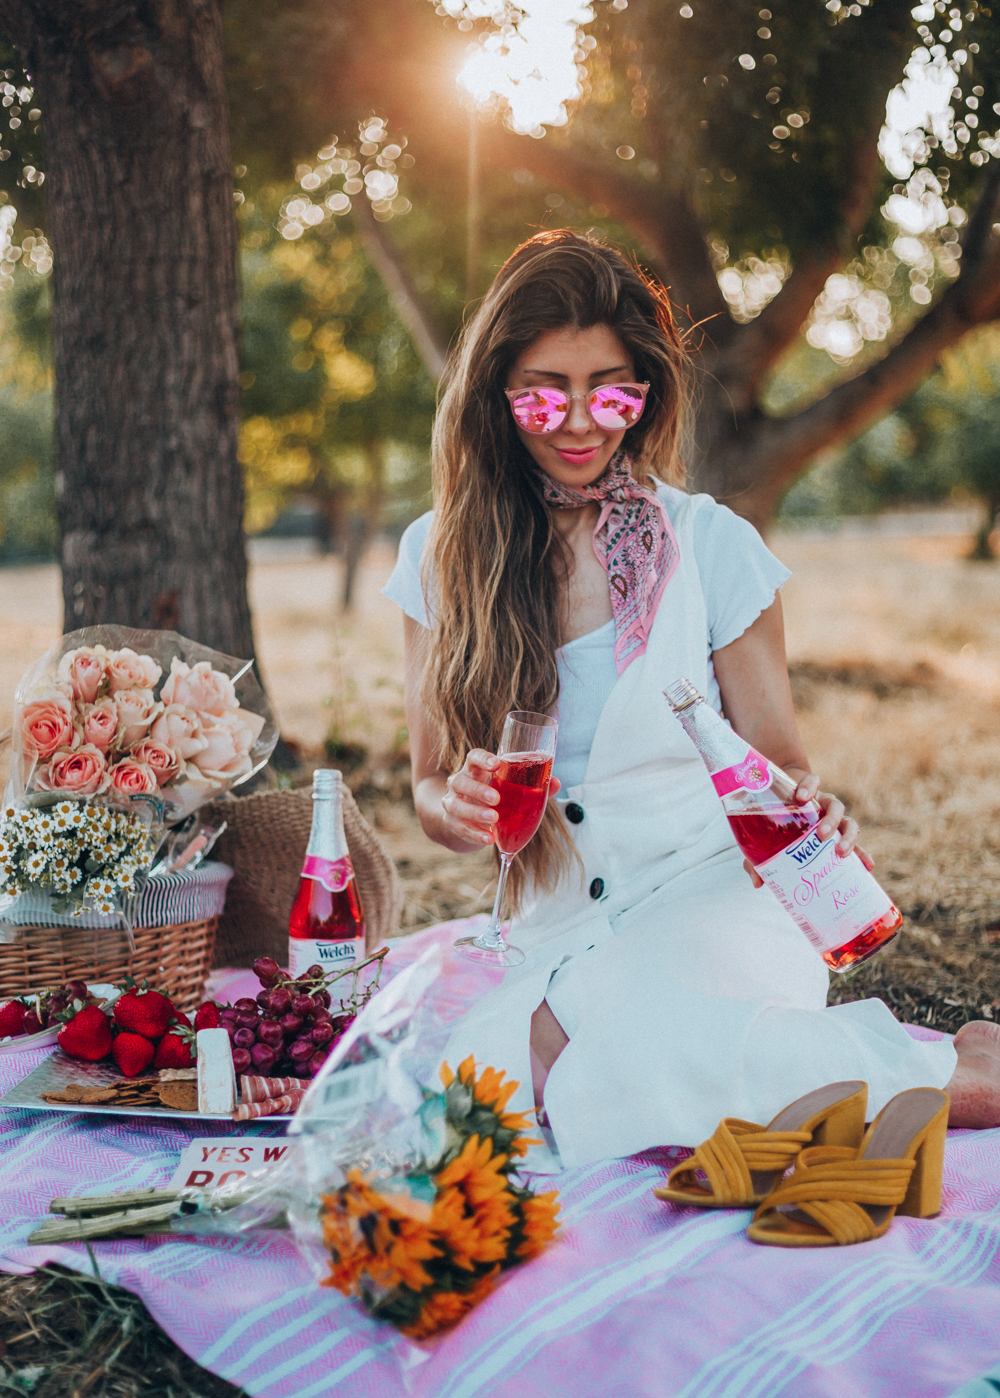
611,406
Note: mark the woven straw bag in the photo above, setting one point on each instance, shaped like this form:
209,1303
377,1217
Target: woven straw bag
265,844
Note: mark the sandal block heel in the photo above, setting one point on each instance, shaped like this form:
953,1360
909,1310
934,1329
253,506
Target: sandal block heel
845,1125
923,1194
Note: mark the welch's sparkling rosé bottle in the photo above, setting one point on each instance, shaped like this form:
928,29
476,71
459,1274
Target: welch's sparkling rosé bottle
834,899
327,925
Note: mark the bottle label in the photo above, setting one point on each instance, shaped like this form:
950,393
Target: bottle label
833,899
304,952
752,774
333,874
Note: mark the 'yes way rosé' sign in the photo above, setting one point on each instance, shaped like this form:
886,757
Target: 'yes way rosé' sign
215,1161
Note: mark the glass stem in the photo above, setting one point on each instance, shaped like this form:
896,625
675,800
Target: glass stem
492,936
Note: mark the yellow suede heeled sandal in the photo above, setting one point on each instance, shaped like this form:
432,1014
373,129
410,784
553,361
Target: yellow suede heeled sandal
742,1162
836,1196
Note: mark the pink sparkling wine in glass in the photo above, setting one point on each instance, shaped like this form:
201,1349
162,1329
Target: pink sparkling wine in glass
522,781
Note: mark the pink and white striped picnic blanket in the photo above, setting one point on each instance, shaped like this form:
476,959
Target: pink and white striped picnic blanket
636,1298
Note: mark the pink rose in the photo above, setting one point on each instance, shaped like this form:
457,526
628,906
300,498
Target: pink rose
179,728
100,724
161,760
133,778
126,670
47,724
84,669
202,688
136,710
81,771
229,739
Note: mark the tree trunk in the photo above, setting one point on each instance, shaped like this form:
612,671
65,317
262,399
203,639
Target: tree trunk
363,523
982,548
145,315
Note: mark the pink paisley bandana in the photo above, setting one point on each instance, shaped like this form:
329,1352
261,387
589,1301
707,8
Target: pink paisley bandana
634,541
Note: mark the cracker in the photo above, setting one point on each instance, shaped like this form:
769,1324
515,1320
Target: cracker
181,1096
91,1096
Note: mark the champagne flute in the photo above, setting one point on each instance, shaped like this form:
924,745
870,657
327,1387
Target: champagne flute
527,748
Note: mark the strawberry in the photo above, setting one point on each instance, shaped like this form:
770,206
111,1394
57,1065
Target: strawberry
180,1019
132,1053
173,1051
207,1016
87,1035
144,1012
12,1019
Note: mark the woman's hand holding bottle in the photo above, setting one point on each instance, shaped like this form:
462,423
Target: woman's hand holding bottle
834,819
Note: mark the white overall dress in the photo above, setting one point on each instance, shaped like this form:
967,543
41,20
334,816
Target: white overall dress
686,994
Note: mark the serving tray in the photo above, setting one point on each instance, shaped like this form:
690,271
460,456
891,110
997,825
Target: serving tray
59,1070
22,1043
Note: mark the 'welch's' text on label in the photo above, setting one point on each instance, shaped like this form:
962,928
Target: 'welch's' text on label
304,952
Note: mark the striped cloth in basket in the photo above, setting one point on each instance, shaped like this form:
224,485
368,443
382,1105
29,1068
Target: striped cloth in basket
185,896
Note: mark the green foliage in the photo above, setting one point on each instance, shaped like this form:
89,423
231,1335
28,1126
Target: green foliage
704,121
27,493
942,443
27,484
337,405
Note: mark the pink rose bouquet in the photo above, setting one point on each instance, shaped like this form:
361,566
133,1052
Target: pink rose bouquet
143,722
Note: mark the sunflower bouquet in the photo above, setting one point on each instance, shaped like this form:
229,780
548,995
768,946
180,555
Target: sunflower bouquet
422,1248
400,1182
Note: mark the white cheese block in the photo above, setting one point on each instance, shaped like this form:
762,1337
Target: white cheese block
216,1079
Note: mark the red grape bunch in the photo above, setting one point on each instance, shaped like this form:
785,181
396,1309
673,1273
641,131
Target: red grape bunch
289,1030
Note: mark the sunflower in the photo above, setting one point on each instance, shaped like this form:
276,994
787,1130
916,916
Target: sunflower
369,1237
538,1223
491,1092
473,1209
444,1309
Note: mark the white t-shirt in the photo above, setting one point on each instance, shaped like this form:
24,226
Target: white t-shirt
739,577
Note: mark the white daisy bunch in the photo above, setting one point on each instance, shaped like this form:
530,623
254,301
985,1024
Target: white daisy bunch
81,854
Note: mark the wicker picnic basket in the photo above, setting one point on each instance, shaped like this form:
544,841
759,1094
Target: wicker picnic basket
177,958
264,845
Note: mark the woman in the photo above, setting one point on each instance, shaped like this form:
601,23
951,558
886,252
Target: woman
565,570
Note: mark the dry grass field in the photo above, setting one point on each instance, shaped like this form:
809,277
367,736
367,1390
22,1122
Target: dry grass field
894,649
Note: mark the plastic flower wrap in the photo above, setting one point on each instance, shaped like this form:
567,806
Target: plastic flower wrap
423,1247
402,1186
116,734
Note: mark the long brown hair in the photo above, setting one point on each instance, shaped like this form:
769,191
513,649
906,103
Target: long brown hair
496,566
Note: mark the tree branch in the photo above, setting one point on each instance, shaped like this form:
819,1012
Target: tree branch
428,338
778,448
16,23
758,346
662,218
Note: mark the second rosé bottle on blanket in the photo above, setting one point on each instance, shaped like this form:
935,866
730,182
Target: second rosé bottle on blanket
836,902
327,925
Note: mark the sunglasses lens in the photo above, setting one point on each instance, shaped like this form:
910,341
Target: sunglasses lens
616,405
540,409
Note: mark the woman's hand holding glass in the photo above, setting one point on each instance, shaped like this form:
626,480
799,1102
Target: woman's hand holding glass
469,803
520,777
